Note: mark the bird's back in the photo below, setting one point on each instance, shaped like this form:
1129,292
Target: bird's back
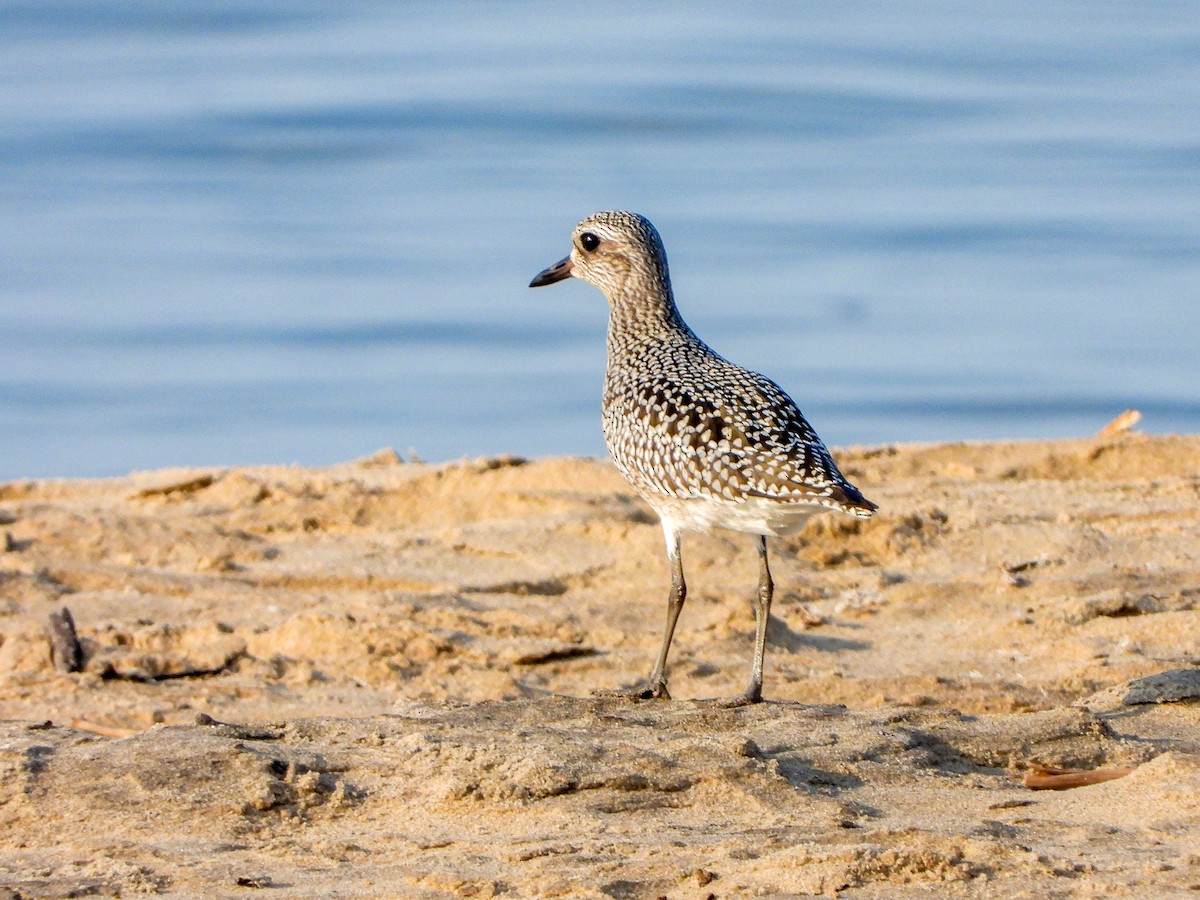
683,423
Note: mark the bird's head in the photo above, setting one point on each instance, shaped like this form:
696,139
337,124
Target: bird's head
607,249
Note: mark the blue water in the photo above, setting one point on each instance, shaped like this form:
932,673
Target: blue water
249,231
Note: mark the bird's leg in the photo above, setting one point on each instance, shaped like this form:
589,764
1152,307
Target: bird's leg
762,615
656,685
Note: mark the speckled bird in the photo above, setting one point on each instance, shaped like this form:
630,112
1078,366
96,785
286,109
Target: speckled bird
707,443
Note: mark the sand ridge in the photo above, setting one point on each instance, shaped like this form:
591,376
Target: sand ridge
404,655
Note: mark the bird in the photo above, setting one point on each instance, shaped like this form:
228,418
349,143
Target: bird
706,443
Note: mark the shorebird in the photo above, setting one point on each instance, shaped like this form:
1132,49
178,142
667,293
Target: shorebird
705,442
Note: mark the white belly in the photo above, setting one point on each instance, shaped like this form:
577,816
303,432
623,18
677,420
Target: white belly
753,515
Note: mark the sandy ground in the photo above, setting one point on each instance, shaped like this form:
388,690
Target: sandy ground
374,680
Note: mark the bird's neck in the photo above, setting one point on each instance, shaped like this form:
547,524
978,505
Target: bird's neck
642,310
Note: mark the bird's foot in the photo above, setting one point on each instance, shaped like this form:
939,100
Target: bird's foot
648,691
745,698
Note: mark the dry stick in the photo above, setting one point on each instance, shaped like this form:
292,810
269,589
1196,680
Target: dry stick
1121,423
1048,778
112,731
65,649
189,486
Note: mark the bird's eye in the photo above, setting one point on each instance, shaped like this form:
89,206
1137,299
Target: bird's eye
589,241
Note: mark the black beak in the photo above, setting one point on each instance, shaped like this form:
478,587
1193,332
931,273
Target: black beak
557,272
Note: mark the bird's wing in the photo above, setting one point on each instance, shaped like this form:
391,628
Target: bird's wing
742,436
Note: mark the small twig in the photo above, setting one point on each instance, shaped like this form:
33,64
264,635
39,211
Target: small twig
65,649
111,731
243,732
191,485
1049,778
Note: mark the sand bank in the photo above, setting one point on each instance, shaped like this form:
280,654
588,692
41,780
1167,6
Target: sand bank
403,655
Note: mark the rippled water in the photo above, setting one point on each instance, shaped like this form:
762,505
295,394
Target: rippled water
268,232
